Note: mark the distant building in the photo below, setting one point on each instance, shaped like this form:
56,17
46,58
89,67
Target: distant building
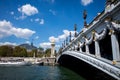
28,47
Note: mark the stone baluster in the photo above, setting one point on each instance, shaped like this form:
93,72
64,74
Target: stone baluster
97,49
115,46
81,45
87,48
86,45
114,42
78,46
97,46
97,38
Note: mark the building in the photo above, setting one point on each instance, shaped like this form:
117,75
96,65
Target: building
28,47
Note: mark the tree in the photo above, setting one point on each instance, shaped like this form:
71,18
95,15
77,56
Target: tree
41,49
30,54
6,51
48,52
20,52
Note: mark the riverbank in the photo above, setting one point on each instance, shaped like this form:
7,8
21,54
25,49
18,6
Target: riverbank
28,60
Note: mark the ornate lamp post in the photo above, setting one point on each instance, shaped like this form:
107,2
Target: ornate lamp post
70,37
108,2
66,40
53,48
64,43
75,28
84,17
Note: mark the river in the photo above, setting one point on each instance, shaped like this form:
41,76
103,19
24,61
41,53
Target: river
37,73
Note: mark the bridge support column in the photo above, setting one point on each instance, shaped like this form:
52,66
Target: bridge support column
75,48
115,47
87,49
80,49
97,49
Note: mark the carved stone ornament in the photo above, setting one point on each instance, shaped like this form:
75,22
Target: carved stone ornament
88,41
100,36
116,25
81,44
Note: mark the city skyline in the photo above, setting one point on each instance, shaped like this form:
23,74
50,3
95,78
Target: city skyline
41,21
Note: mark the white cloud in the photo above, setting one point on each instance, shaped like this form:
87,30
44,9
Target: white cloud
52,11
57,46
62,37
37,19
37,37
20,17
12,13
46,45
41,21
28,42
7,29
28,10
86,2
57,39
7,43
53,39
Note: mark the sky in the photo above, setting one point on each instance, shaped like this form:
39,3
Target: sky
42,21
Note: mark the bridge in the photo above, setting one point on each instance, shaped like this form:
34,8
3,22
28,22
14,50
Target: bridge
98,44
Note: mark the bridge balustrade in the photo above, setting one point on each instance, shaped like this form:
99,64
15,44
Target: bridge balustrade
101,39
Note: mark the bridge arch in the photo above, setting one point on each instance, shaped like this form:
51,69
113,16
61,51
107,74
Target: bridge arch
80,63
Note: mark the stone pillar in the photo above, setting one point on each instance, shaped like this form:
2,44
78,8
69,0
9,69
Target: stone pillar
76,47
87,49
80,46
80,49
115,46
52,49
86,45
97,49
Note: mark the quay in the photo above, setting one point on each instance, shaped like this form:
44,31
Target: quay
31,60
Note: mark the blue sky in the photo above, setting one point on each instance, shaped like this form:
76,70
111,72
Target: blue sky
22,21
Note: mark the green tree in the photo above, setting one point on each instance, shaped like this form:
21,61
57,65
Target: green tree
6,51
20,52
30,54
48,52
41,49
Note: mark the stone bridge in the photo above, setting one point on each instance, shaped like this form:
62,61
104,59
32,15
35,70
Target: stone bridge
98,44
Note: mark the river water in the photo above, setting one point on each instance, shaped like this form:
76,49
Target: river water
37,73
